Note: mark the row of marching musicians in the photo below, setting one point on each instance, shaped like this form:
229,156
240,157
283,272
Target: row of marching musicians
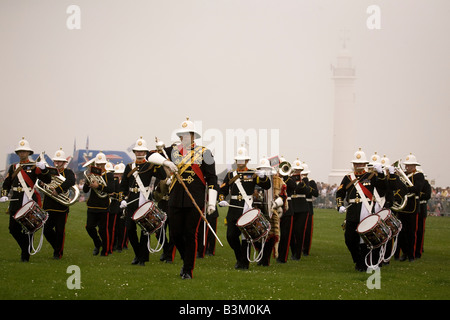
385,207
271,220
269,210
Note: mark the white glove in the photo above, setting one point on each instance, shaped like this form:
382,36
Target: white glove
123,204
377,166
171,166
261,174
277,203
3,199
169,181
223,204
210,209
391,170
342,209
40,165
212,199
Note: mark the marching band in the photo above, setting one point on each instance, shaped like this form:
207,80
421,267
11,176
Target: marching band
269,209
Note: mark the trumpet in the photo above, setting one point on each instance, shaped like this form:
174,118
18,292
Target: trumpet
96,177
67,198
285,168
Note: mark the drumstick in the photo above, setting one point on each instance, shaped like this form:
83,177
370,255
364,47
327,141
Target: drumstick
180,180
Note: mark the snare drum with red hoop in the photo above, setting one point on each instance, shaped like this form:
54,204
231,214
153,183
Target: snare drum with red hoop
31,217
149,217
392,221
253,225
374,231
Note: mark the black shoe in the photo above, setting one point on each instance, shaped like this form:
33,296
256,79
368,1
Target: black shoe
186,276
403,258
135,261
96,251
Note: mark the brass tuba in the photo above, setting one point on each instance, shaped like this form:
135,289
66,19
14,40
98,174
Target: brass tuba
67,198
285,168
94,174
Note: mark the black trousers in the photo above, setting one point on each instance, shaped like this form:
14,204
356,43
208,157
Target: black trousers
285,237
298,234
234,240
184,224
139,244
20,236
352,241
100,237
407,237
55,231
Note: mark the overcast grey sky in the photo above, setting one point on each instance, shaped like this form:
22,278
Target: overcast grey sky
138,68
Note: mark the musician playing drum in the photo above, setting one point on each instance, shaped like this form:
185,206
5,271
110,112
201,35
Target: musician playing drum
54,229
21,178
137,185
357,189
240,183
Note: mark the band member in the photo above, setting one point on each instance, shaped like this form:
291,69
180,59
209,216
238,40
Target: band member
138,183
425,195
161,196
21,178
356,189
287,217
409,214
54,228
114,207
313,192
120,232
241,184
196,167
100,185
271,210
301,209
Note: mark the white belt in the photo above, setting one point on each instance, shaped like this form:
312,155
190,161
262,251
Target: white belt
240,197
298,196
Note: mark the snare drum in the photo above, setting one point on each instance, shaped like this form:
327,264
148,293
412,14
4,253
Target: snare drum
392,221
374,231
31,217
253,225
149,217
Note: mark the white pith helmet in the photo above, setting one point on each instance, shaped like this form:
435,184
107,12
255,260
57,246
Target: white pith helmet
60,155
359,157
411,159
109,167
375,158
119,168
385,161
242,154
305,168
297,165
140,145
100,158
264,164
188,126
24,145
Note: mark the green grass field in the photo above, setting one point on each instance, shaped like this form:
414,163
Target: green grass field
326,274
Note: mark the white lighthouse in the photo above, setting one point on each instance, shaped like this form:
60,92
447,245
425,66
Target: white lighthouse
344,125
